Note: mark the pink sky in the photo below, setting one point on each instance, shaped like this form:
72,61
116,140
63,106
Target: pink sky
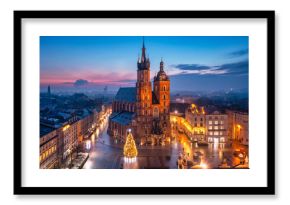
93,76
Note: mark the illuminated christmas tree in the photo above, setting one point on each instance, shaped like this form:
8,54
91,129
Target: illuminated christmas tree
130,150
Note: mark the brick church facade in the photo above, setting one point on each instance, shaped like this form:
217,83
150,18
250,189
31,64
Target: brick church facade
143,109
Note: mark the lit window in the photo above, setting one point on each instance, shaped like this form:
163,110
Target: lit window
210,133
210,122
222,122
210,127
222,127
216,127
221,133
216,133
216,122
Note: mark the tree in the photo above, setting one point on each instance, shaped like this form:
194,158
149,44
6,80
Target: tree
130,150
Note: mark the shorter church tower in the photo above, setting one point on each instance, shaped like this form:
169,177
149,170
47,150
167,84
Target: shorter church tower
162,93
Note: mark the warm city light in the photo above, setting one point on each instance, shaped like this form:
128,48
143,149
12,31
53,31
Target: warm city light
203,165
130,150
65,127
143,118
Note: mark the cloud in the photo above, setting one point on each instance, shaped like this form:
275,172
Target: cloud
239,53
237,68
192,67
81,82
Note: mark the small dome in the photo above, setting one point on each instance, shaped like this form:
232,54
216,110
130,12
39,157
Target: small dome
161,76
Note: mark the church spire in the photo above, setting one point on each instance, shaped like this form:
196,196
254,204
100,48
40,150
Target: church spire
48,90
144,62
143,57
161,64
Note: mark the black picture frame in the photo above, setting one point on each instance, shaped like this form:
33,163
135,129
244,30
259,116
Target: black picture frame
268,190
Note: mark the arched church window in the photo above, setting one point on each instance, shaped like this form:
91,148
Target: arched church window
155,112
164,97
164,88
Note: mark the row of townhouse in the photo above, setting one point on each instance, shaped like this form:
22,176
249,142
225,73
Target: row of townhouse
216,126
61,137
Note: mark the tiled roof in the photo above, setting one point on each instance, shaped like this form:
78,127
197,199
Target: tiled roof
123,118
45,130
114,114
126,94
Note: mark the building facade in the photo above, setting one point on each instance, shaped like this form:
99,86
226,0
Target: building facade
239,126
143,109
196,118
68,138
216,127
48,148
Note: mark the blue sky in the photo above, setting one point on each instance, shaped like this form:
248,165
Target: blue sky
192,62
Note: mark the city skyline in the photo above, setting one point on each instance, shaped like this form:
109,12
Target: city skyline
197,63
145,125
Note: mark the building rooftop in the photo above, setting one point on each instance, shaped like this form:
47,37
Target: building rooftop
127,94
45,130
123,118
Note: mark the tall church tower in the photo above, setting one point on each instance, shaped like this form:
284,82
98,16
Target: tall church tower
144,95
162,93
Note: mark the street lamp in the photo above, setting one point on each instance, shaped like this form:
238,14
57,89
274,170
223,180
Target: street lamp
203,165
